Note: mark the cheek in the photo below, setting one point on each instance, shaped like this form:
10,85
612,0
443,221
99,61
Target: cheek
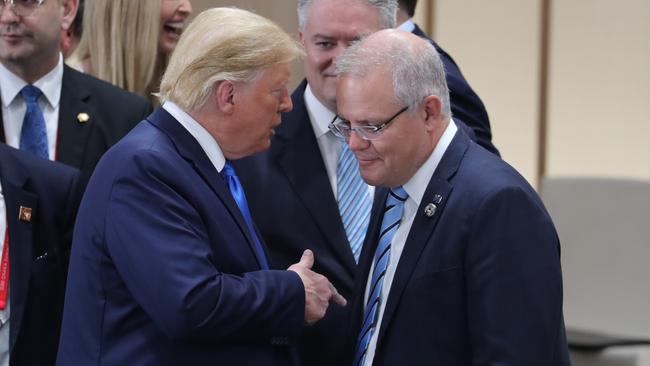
319,60
166,11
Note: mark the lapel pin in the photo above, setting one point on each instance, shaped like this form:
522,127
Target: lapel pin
25,214
430,210
437,199
83,117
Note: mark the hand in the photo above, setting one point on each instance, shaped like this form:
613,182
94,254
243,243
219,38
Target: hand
319,292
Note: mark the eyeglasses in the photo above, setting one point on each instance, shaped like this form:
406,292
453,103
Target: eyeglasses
22,8
343,129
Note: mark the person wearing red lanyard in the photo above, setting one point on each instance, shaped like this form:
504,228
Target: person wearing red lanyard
38,205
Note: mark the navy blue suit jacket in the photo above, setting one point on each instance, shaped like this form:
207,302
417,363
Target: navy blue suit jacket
163,270
466,105
38,250
479,282
293,204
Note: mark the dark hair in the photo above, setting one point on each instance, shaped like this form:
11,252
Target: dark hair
408,6
77,23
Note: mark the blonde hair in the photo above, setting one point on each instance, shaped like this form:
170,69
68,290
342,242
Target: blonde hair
120,39
223,44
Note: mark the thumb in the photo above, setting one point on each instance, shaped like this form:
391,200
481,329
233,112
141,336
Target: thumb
307,259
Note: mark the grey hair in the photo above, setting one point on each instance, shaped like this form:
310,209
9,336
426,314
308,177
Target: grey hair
416,71
387,12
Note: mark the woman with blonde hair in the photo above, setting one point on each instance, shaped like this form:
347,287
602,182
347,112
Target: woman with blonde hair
128,43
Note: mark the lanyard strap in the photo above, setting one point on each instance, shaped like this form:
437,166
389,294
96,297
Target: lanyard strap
4,273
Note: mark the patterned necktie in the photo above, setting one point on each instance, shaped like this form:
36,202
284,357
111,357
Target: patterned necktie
391,221
237,192
33,136
353,200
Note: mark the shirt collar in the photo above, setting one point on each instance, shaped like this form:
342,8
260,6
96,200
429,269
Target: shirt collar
417,185
202,136
319,115
49,84
407,26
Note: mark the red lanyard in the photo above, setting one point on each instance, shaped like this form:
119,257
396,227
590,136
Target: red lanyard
4,273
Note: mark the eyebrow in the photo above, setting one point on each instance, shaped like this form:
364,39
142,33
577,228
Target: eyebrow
317,37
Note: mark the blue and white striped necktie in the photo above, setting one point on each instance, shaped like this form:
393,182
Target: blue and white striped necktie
353,200
391,221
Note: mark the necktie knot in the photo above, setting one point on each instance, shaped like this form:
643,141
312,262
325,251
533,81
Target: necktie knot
31,93
228,171
399,194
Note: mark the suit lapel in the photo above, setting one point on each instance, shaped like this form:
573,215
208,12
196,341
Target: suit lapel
438,192
3,139
14,181
191,151
297,152
72,135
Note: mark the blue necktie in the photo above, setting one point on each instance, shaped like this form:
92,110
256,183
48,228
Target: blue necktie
33,136
353,200
237,192
391,221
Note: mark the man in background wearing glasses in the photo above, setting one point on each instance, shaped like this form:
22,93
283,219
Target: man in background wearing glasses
48,108
461,263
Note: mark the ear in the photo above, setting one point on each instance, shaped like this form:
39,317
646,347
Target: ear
432,111
301,37
69,9
224,95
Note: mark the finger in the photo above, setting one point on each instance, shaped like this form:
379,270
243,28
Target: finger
307,258
337,298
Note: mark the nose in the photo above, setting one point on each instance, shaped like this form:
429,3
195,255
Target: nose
7,12
185,7
356,143
286,105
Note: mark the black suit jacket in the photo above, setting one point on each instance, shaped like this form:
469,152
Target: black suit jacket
112,111
294,207
479,281
466,106
38,250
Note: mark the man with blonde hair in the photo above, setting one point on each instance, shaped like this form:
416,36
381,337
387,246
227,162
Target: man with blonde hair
167,267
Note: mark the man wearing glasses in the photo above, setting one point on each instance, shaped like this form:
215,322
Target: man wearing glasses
461,262
48,108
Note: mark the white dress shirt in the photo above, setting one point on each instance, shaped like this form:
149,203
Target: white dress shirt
202,136
4,314
407,26
415,188
329,145
14,107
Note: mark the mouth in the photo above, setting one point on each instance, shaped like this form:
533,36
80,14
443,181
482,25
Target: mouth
174,28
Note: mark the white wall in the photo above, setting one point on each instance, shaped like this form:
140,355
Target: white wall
600,89
599,80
